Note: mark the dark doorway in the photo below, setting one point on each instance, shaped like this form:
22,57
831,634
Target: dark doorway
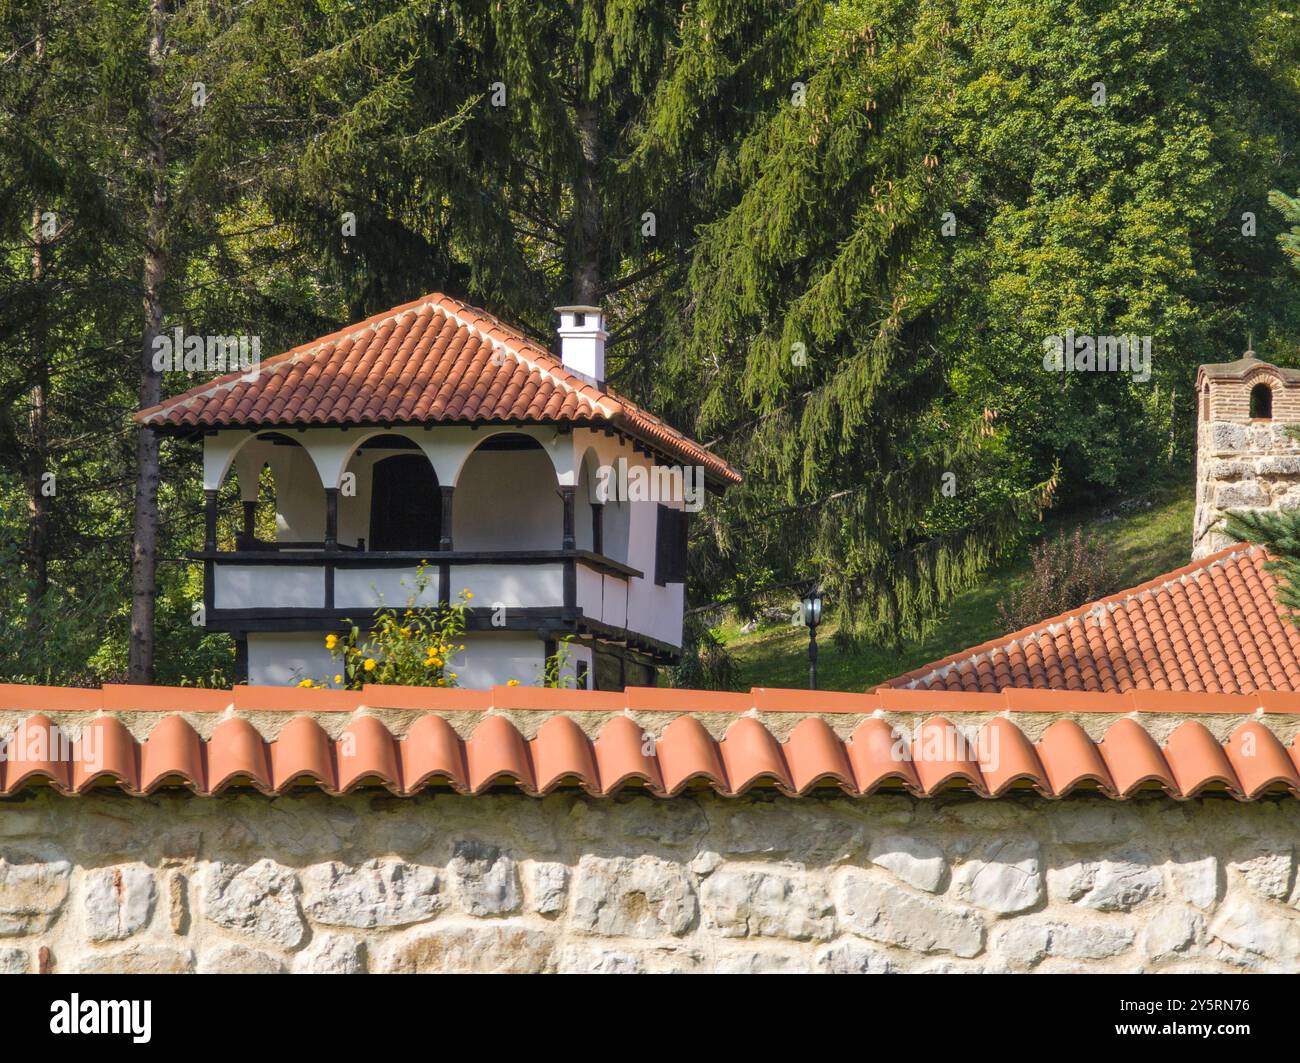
1261,403
405,504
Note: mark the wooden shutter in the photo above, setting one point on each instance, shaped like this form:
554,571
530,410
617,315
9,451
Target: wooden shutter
670,546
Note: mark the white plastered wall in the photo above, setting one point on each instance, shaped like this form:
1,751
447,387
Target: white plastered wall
285,658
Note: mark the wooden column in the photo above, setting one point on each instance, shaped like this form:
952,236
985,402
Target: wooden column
598,527
566,495
444,542
331,518
250,522
210,521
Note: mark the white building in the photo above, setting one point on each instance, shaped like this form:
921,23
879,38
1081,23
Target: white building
432,432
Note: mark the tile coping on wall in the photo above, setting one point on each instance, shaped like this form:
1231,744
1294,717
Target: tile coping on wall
132,698
992,754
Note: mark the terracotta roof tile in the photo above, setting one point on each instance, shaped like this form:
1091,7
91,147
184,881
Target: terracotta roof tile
434,360
1214,626
792,741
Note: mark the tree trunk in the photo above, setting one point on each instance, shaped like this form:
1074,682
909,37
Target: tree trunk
587,209
144,545
38,502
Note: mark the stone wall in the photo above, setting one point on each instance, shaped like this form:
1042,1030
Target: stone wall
370,882
1240,463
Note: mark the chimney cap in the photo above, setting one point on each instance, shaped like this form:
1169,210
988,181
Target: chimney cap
578,310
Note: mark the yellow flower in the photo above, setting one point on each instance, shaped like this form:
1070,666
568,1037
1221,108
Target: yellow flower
437,661
305,683
338,679
406,632
513,683
370,664
331,641
469,594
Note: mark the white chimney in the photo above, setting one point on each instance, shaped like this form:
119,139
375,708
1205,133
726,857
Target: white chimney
582,341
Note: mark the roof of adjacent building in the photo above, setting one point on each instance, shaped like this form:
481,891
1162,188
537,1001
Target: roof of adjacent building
662,742
435,360
1213,626
1243,366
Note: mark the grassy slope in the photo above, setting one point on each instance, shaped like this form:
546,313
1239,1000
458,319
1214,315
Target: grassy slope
1146,542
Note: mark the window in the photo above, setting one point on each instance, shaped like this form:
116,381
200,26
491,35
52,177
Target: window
597,528
670,546
405,504
1261,402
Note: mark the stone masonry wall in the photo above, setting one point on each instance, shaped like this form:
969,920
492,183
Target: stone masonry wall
1252,466
438,882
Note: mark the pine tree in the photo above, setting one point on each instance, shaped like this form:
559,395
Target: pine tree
1279,534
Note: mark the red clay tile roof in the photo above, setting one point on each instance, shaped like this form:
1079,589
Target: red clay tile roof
433,360
469,741
1212,626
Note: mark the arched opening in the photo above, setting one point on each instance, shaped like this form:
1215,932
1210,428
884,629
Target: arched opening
389,497
588,513
1261,403
507,497
278,497
405,507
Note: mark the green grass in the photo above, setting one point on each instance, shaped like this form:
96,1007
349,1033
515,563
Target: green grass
1146,541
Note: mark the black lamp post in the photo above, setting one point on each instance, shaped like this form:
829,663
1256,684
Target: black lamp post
811,607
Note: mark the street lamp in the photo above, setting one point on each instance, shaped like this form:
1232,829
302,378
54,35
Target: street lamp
811,609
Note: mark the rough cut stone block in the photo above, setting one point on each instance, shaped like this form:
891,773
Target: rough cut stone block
483,948
31,894
1279,465
14,961
139,959
1172,931
236,959
752,903
548,885
486,879
331,954
1006,877
1257,930
378,893
1226,437
1269,872
914,860
881,912
1196,878
755,961
1242,493
1111,885
643,898
1027,942
118,901
853,957
586,959
260,901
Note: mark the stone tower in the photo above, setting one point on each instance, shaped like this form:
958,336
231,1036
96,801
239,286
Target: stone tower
1244,457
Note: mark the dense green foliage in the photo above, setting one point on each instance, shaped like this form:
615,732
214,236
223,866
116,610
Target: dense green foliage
832,239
